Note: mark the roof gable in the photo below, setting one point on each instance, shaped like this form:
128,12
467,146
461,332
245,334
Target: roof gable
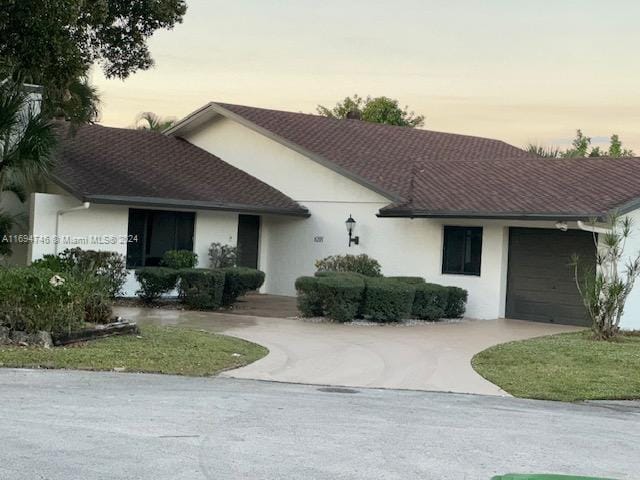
380,157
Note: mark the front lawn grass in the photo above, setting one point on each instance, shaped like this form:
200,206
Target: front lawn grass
177,351
566,367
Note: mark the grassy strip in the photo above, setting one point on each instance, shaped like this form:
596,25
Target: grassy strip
177,351
565,367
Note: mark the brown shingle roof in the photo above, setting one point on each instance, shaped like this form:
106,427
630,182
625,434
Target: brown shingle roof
382,155
545,187
443,174
138,167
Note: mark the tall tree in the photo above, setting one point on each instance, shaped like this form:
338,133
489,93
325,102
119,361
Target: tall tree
376,110
55,42
26,141
581,147
154,122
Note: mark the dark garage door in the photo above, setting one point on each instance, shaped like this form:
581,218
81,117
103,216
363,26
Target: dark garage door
540,282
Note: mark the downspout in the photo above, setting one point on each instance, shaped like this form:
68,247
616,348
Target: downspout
84,206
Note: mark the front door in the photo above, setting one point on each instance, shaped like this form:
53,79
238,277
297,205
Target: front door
248,238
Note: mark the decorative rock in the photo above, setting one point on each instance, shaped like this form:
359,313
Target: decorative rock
41,339
20,338
5,336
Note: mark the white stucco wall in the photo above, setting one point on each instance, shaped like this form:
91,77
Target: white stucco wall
631,317
289,246
104,228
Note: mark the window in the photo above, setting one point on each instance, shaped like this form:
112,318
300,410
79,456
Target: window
153,232
462,250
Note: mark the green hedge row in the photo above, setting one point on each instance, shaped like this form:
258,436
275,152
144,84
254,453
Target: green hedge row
343,296
200,288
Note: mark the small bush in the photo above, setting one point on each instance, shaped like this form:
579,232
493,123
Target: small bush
341,296
34,299
362,264
222,256
409,280
387,300
155,281
238,281
179,259
111,266
430,301
309,299
202,288
456,302
97,308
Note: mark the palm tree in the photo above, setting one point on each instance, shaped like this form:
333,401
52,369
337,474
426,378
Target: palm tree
26,142
154,122
543,151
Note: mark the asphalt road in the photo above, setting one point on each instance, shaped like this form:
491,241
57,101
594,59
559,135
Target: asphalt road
72,425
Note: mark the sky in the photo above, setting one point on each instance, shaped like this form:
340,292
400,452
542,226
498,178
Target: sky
521,71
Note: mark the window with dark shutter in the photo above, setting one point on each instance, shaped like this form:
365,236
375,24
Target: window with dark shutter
462,252
154,232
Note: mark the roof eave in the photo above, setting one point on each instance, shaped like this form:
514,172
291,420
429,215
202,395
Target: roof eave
159,202
553,216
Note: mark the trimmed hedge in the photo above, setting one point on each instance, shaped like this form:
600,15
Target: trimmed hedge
430,302
309,297
335,295
456,302
202,288
409,280
155,281
387,300
238,281
341,295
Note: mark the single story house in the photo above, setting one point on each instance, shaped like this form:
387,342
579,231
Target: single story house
456,209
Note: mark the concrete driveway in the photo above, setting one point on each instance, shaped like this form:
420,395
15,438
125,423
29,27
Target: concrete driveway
58,425
432,357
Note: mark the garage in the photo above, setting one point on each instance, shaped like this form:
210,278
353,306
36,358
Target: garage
540,281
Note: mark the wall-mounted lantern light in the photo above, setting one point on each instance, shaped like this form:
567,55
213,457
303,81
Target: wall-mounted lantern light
351,229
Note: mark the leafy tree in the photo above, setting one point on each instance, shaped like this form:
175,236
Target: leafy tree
26,141
54,43
581,147
153,122
376,110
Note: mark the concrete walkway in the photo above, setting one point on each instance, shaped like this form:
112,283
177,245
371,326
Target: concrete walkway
432,357
58,425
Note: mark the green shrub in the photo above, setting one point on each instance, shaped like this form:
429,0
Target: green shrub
456,302
238,281
409,280
430,301
179,259
34,299
335,295
309,298
155,281
202,288
222,256
109,265
97,308
362,264
341,296
387,300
